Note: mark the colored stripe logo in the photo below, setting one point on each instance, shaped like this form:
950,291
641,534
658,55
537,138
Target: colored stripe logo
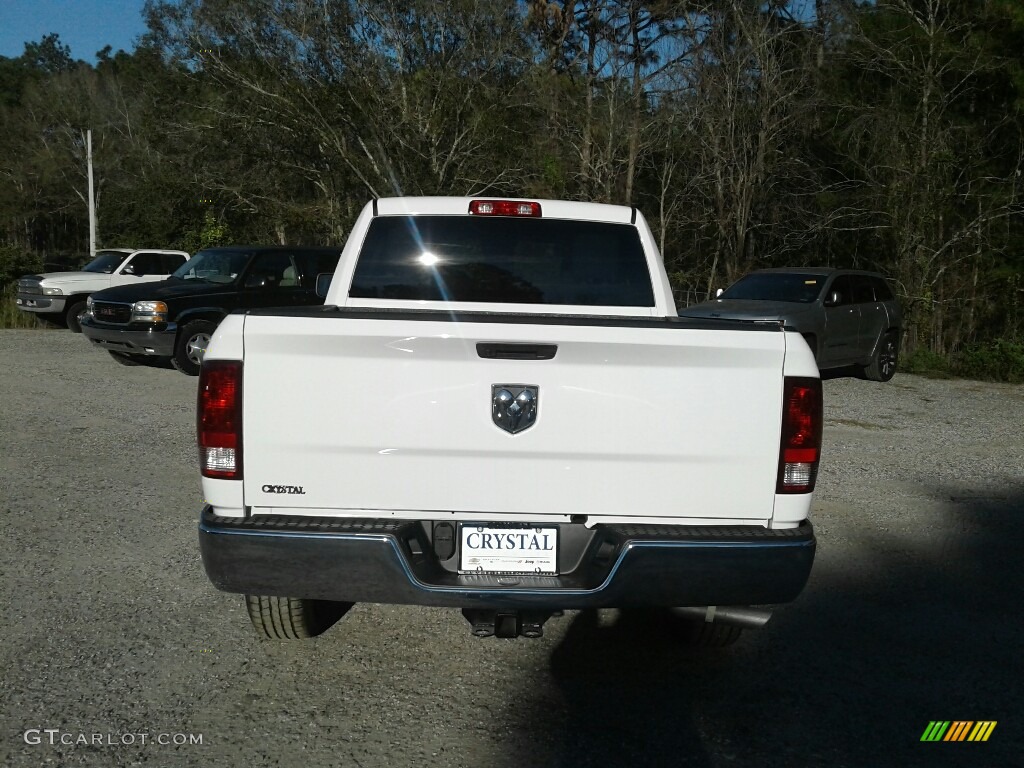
959,730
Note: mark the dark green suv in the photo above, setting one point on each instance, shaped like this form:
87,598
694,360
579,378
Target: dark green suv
175,318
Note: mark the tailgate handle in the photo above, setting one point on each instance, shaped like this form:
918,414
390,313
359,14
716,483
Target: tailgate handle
496,351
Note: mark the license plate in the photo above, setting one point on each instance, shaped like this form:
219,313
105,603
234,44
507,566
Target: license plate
487,548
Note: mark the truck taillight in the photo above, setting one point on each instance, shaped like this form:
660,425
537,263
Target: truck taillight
801,435
503,208
219,419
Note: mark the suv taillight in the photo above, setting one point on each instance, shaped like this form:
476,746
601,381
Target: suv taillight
219,419
800,448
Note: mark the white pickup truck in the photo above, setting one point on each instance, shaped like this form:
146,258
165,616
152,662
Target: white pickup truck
498,409
61,297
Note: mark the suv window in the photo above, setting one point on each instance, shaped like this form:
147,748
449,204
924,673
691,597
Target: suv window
148,264
863,290
776,286
882,291
312,264
215,266
507,260
843,285
269,269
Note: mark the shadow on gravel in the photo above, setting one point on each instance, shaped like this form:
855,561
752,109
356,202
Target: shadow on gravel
624,696
889,635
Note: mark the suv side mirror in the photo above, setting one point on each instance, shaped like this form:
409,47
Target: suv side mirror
130,270
832,299
719,292
323,284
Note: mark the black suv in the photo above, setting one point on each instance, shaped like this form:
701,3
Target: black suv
175,318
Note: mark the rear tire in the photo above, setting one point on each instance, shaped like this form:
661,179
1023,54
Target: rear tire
883,364
191,347
292,618
72,316
126,359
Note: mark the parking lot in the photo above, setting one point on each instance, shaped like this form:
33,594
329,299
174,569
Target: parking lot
912,613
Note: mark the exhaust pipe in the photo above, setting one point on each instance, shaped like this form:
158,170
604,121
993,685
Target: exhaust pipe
749,618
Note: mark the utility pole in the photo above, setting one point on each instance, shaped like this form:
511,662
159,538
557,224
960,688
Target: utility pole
92,199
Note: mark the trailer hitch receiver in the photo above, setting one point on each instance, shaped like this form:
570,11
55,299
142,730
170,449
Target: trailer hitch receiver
503,623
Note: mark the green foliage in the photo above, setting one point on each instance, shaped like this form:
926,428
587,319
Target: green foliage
10,315
1000,360
923,362
13,74
212,231
15,262
553,175
49,55
749,134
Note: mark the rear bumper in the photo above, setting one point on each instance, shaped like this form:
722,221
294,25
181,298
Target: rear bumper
390,561
155,340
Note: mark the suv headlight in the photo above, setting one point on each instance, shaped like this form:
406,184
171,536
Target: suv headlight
52,292
149,311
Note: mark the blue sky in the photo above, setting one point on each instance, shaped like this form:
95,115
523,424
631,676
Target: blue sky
85,25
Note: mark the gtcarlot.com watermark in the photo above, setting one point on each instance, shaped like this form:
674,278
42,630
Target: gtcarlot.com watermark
59,737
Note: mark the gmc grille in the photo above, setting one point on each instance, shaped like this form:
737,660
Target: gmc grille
107,312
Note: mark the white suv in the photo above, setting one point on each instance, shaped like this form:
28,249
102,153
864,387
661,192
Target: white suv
61,296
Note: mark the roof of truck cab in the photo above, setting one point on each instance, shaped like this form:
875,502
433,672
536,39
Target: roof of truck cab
459,206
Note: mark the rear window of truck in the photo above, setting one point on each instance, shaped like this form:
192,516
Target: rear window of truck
503,260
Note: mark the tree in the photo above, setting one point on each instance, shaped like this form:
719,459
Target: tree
932,137
49,56
749,100
385,96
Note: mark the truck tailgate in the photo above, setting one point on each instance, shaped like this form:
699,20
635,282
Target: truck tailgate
633,418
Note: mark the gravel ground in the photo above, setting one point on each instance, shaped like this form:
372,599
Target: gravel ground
111,628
